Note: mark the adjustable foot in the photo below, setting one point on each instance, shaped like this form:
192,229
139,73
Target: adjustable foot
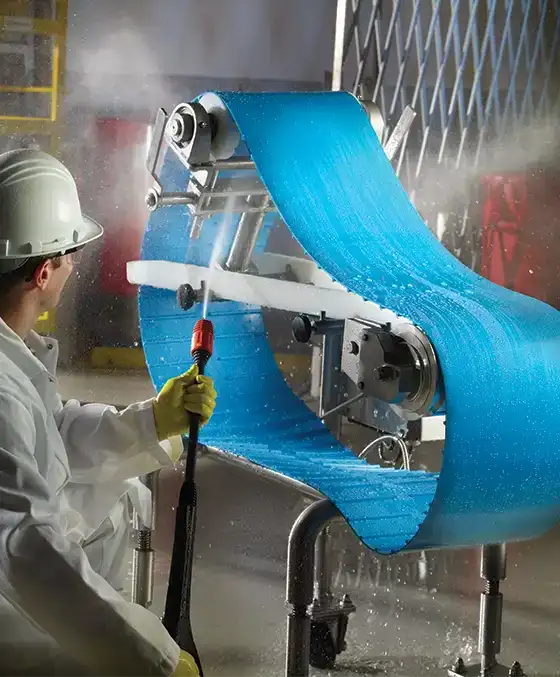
143,555
329,623
493,571
316,624
476,670
322,649
329,616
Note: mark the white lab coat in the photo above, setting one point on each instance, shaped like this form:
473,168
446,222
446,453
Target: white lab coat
63,470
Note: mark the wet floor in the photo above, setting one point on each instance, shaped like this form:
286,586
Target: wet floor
415,613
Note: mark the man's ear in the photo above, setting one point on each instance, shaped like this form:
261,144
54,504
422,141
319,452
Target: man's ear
42,274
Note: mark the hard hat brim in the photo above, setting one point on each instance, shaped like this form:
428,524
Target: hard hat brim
92,232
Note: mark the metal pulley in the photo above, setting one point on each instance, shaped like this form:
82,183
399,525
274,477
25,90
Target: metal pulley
394,364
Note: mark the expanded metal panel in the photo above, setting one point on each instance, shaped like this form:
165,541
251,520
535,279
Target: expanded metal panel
482,76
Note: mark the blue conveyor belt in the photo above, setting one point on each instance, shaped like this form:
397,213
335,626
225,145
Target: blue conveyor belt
499,351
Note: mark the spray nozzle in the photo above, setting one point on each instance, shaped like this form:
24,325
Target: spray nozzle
202,343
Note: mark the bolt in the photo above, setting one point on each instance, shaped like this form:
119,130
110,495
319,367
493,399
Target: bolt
144,539
516,670
385,373
353,348
203,124
182,128
361,385
459,666
151,200
365,337
346,601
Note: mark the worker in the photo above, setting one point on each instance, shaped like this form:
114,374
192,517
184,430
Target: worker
67,471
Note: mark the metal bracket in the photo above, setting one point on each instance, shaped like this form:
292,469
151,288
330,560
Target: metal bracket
394,364
399,133
154,152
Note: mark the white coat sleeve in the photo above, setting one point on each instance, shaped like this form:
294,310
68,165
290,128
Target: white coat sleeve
48,577
106,445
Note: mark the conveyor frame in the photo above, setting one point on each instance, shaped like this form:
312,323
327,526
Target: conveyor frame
308,585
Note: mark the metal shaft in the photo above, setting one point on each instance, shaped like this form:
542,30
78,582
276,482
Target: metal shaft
143,576
321,574
247,234
155,200
300,581
339,44
197,221
143,556
330,376
493,570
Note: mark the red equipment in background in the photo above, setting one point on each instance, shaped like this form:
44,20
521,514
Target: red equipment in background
124,181
521,234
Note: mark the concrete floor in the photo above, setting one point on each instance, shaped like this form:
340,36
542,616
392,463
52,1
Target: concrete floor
413,617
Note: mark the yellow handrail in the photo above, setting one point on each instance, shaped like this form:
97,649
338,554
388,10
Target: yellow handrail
25,90
13,22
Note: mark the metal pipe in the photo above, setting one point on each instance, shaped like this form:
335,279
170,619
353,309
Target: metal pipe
143,556
235,210
253,192
247,234
299,584
155,200
343,405
143,573
339,37
196,220
493,570
321,573
399,133
233,163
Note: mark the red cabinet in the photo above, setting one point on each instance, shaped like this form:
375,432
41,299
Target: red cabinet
122,184
521,233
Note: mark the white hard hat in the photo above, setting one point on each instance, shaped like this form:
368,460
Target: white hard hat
40,211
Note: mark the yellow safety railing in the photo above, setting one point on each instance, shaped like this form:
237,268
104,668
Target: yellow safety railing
14,17
11,20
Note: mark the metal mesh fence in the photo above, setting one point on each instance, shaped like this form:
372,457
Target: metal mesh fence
482,76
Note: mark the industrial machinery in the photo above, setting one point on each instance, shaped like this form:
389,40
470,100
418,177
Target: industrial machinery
389,372
379,369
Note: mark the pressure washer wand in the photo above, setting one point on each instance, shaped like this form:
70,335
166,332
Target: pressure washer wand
176,617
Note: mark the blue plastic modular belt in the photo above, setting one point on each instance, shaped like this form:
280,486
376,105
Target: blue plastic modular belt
499,351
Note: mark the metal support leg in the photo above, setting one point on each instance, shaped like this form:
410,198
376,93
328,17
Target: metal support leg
143,554
493,571
300,580
317,623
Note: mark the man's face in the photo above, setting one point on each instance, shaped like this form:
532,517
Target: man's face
50,279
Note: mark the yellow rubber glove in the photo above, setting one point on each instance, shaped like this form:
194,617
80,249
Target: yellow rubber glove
181,396
186,667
